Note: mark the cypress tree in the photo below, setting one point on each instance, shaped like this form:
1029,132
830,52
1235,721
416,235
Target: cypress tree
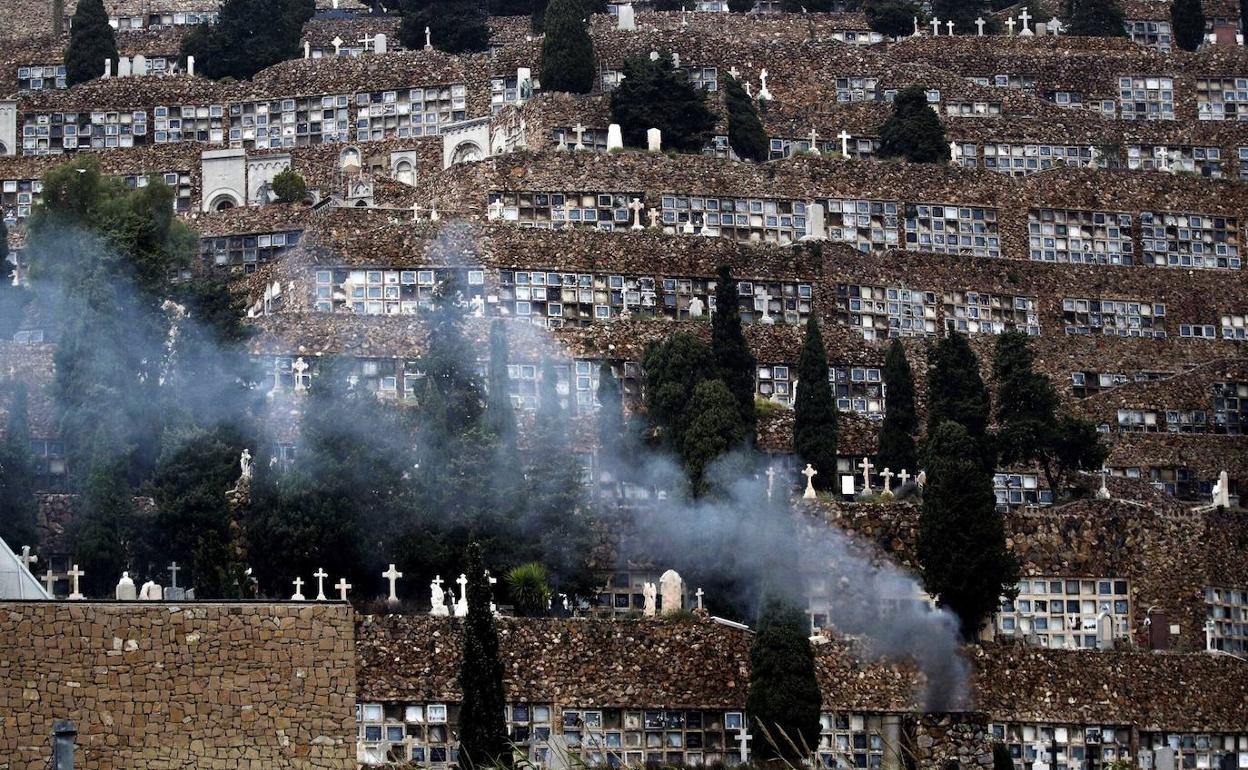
18,509
745,131
1187,19
482,731
783,699
955,391
105,526
1001,757
455,26
537,20
654,94
610,409
1095,18
500,415
91,43
896,449
1243,18
961,546
814,410
715,428
248,36
567,51
673,370
914,131
734,363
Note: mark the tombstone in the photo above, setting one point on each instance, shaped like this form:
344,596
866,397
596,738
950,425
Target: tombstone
696,308
763,93
1054,26
123,67
636,206
615,137
809,472
150,592
949,26
1222,491
654,140
437,599
935,27
381,44
979,26
125,588
307,50
816,226
866,467
1025,17
297,596
698,594
1010,23
190,66
108,68
1104,631
1164,759
140,65
428,40
767,319
648,592
656,217
627,21
887,474
461,606
494,211
343,586
173,593
392,575
320,576
672,589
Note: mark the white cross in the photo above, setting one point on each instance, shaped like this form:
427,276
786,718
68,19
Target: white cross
1010,23
392,575
300,366
814,137
438,581
49,580
743,739
579,130
916,26
462,580
173,574
698,593
771,482
320,576
428,40
27,557
935,27
866,467
954,152
949,26
297,596
74,574
844,137
736,73
656,217
1024,17
337,42
904,476
809,472
888,480
637,207
979,26
343,586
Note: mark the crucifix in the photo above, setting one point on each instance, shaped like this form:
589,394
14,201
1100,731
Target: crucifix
887,475
27,558
636,206
337,43
300,366
916,26
1010,23
743,740
462,581
49,582
656,217
979,26
771,481
949,26
935,27
904,476
173,574
74,574
428,40
866,467
343,586
844,137
320,576
297,596
579,130
814,138
392,575
766,300
698,593
809,472
1024,17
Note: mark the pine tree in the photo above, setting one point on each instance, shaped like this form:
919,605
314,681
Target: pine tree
914,131
715,428
814,411
91,43
483,739
892,18
248,36
896,450
955,391
567,51
1095,18
746,135
783,698
654,94
1187,19
18,509
734,363
455,26
961,546
500,415
673,370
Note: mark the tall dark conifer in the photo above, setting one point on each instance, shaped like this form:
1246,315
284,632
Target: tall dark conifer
814,410
783,699
18,509
955,390
746,134
483,739
567,50
1095,18
91,43
734,363
1187,19
913,132
897,449
500,415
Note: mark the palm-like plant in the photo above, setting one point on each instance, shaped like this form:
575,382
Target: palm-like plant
529,590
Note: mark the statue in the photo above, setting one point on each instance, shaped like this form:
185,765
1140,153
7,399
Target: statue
437,599
244,462
649,591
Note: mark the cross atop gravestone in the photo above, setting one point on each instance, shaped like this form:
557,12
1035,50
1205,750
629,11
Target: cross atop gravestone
904,476
27,558
698,595
887,475
320,576
337,43
866,467
297,596
814,139
173,574
844,137
949,26
343,586
1024,17
579,130
763,93
636,206
392,575
656,217
49,581
1010,23
809,472
428,40
300,366
771,479
979,26
743,744
462,582
766,298
935,27
74,574
736,73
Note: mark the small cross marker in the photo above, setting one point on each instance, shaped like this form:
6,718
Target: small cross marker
343,586
297,596
392,575
320,576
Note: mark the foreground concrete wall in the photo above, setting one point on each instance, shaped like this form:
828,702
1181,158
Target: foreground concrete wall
212,686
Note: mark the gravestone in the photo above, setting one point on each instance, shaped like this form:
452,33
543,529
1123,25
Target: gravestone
437,599
809,472
1104,631
696,308
461,606
190,66
816,226
123,67
140,65
1164,759
627,20
125,588
654,140
380,43
648,592
150,592
615,137
672,589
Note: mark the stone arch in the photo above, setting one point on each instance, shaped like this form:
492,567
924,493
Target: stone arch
404,172
350,160
221,200
467,152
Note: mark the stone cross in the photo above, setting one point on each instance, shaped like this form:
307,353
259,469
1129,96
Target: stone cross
320,576
916,26
637,206
904,476
656,217
300,366
1010,23
343,586
428,40
297,596
27,558
392,575
771,479
814,138
979,26
766,319
949,26
1103,492
743,741
49,580
809,472
461,606
1024,17
1222,491
1055,27
866,467
935,27
736,73
579,130
173,574
74,574
108,68
698,593
844,137
887,475
749,90
763,93
437,598
337,42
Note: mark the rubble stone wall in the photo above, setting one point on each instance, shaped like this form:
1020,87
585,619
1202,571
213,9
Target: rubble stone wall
214,686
